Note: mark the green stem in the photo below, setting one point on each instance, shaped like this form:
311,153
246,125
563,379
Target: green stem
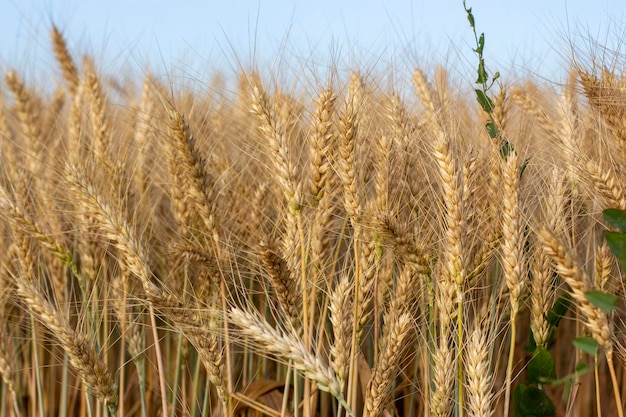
196,384
207,395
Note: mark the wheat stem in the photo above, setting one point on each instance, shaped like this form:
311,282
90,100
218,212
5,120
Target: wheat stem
616,386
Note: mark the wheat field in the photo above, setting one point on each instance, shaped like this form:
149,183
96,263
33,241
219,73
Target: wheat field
347,249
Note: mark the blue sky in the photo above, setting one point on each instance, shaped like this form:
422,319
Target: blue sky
522,37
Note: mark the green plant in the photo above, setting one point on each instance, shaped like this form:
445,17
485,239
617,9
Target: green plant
485,83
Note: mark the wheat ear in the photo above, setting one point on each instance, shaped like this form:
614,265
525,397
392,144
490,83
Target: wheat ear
348,128
603,267
397,329
513,256
194,191
597,322
342,320
478,372
542,291
607,182
283,282
97,113
273,129
81,351
605,95
21,221
29,119
133,256
521,97
143,132
424,92
452,273
443,378
322,136
65,60
289,347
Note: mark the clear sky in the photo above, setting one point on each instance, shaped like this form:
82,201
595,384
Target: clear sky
522,36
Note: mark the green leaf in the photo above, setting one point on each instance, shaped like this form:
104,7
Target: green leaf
517,400
559,310
532,402
496,76
581,368
605,302
617,244
506,148
616,217
532,345
541,367
587,345
523,167
470,17
492,130
481,44
482,72
484,101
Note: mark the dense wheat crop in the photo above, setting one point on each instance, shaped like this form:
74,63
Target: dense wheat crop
344,249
